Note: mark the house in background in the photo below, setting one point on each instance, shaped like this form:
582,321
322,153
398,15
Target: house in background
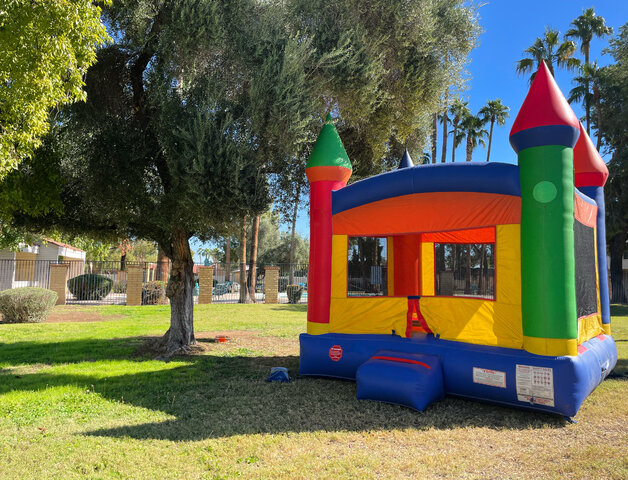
30,265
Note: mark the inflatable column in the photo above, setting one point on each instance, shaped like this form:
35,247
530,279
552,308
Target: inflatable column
543,135
590,176
327,169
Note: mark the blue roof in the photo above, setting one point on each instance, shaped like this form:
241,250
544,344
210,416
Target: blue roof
480,177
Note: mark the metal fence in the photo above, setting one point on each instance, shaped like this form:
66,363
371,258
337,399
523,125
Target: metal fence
227,282
105,283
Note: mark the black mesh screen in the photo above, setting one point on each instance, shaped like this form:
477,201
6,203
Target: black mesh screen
586,282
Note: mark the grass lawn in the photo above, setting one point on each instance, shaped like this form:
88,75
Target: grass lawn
77,400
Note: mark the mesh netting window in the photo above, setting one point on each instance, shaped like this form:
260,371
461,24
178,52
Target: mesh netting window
367,267
586,278
465,270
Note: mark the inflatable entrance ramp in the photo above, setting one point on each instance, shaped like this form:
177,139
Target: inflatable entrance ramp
412,380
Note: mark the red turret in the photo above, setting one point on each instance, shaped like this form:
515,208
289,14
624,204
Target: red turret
590,170
327,169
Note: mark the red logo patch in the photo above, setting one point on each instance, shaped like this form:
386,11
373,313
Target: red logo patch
335,353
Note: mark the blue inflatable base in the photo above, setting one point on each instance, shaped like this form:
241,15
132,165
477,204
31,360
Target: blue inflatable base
498,375
414,380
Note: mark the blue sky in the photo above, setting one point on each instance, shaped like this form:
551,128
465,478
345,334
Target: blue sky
509,27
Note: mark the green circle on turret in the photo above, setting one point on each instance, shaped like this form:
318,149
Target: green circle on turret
544,192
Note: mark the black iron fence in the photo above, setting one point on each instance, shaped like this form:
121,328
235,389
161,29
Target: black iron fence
106,283
228,289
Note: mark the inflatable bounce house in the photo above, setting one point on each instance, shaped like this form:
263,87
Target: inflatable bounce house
486,281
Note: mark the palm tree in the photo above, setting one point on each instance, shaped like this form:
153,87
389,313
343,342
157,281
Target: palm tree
445,121
494,112
589,76
458,111
585,27
471,128
548,49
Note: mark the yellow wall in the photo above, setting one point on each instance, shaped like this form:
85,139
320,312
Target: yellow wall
477,321
25,266
362,314
481,321
427,269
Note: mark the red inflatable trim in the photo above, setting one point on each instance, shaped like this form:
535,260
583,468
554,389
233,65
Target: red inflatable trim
402,360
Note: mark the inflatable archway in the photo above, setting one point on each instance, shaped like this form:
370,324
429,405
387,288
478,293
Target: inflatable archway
488,279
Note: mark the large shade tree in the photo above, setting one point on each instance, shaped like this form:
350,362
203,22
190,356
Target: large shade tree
45,49
198,103
402,54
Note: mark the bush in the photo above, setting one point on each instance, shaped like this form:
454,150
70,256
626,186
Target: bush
119,286
294,293
154,293
90,286
27,304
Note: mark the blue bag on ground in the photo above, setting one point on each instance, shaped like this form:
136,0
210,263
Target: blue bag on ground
278,374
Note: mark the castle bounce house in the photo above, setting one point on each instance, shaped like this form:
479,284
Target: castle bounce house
486,281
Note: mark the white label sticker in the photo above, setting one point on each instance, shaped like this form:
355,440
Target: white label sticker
535,385
494,378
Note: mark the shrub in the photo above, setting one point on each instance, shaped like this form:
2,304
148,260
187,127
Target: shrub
154,293
119,286
90,286
294,293
27,304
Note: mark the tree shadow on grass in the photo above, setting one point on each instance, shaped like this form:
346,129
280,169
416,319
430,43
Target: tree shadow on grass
70,351
291,307
618,310
218,395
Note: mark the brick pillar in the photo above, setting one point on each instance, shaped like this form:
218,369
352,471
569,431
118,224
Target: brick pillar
134,284
271,284
59,280
205,284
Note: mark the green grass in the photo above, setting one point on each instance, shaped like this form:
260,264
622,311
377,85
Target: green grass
76,401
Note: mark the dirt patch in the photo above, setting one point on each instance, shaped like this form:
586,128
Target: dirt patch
250,340
72,313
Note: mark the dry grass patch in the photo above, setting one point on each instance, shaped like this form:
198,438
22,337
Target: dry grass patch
75,403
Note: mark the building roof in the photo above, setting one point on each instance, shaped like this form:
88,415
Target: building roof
60,244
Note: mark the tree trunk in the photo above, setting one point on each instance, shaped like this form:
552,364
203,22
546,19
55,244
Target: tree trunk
443,157
467,281
293,233
243,290
453,146
434,135
253,271
180,335
490,140
123,262
596,97
228,259
469,148
617,246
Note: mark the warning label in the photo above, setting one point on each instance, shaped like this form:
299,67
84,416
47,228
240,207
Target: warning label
535,385
335,353
485,376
